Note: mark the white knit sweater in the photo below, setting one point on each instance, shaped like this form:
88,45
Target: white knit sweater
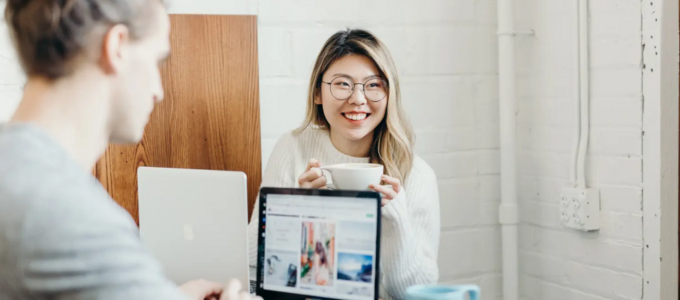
410,222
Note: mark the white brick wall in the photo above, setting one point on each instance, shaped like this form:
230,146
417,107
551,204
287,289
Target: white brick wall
11,76
557,263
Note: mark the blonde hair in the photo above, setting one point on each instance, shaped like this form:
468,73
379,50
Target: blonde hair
393,138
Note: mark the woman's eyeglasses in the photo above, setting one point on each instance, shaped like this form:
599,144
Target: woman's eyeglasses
374,89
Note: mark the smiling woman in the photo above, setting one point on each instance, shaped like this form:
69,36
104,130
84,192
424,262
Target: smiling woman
354,115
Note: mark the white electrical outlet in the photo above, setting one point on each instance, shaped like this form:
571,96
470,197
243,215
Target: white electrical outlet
580,209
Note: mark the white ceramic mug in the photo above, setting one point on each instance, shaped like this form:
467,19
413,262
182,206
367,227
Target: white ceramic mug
354,176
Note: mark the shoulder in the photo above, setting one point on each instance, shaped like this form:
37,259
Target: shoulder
421,171
83,212
301,139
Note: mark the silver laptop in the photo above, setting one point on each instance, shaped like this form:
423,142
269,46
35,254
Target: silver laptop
195,222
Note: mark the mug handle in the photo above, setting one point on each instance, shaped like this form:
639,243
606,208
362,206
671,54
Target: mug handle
324,173
472,290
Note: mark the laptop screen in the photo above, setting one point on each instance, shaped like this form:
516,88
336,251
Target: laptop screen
320,246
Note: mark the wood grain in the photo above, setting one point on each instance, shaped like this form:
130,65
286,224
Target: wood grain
210,118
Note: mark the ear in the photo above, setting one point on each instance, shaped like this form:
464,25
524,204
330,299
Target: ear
317,100
114,49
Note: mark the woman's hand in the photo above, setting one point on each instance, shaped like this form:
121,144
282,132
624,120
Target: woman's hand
389,194
312,178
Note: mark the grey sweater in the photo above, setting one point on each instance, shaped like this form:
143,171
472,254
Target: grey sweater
61,236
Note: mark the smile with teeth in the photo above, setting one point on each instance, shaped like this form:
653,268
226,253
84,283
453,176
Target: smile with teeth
356,116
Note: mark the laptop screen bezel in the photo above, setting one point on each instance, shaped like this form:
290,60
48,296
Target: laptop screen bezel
265,191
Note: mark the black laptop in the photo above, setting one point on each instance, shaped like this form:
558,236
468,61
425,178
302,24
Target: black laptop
318,244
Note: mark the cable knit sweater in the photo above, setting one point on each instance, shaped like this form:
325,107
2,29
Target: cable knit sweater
410,226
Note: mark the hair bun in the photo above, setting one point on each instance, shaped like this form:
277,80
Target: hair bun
17,4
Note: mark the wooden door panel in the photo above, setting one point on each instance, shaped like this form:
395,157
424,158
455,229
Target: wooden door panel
210,118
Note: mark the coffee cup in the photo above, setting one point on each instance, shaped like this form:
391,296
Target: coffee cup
354,176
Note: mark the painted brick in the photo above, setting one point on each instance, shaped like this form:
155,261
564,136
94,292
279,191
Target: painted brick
616,113
625,81
552,139
543,57
546,112
621,199
621,227
532,288
616,142
566,243
489,162
602,282
283,106
528,9
275,52
488,213
550,189
554,23
619,9
479,247
527,187
241,7
487,109
9,99
602,141
458,202
431,141
435,11
541,214
488,137
439,50
614,170
616,226
461,139
306,45
545,86
486,12
616,18
524,137
491,285
615,52
448,106
267,149
10,72
453,165
382,12
490,188
544,164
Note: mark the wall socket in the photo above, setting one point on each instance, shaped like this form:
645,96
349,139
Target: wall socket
580,209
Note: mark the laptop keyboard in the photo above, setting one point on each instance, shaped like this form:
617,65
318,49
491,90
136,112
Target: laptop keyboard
252,287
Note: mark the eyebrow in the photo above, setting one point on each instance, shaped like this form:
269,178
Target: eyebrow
364,79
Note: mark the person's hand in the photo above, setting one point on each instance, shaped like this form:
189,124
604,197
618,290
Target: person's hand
388,194
233,292
202,289
312,178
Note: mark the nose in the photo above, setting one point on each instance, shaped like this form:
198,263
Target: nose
358,97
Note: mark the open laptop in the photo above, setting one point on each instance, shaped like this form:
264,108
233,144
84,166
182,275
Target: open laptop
195,222
318,244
